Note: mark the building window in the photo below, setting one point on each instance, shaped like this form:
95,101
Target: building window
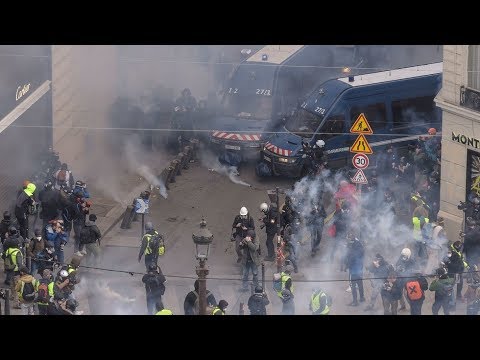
418,112
474,67
473,175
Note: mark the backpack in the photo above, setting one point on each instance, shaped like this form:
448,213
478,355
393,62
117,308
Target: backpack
43,295
154,284
9,264
445,290
196,305
414,291
28,292
157,245
62,176
85,235
277,282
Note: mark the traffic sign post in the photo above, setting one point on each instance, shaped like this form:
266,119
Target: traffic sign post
360,147
360,161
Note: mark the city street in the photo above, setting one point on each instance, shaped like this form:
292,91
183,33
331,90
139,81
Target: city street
200,192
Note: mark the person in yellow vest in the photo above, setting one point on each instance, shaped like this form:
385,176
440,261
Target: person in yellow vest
43,297
320,303
161,309
152,246
220,308
13,259
286,280
26,290
419,220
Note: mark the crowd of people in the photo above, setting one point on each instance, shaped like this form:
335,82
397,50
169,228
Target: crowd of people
40,280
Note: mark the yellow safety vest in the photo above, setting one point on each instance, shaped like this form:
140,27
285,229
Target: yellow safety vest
284,278
13,253
217,309
164,312
315,303
148,250
35,287
70,269
417,231
460,255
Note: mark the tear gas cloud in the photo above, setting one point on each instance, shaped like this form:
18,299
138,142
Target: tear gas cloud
210,161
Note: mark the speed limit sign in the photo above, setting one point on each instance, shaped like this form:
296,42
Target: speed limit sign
360,161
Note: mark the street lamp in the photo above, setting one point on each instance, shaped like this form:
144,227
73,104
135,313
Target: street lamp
202,239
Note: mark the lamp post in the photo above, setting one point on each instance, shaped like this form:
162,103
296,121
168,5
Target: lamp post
202,239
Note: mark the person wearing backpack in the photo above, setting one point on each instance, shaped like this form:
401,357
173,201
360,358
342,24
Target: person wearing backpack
191,303
415,289
46,258
258,301
26,290
152,246
63,177
90,238
44,292
154,282
443,287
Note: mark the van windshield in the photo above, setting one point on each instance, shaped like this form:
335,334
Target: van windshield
303,123
248,106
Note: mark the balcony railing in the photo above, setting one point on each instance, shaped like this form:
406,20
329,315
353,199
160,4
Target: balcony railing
470,98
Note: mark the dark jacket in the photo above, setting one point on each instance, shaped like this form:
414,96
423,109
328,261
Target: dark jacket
405,268
144,244
341,221
354,258
393,292
189,303
51,203
4,225
22,205
471,246
380,273
271,215
154,283
91,233
257,304
35,247
13,241
45,261
248,223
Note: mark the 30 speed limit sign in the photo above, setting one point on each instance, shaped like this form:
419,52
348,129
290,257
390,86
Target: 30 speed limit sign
360,161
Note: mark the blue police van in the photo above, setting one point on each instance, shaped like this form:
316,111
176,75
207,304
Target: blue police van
269,85
398,104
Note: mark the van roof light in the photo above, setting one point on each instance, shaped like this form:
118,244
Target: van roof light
351,78
264,57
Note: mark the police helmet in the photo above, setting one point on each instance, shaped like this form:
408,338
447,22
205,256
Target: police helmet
320,143
264,207
258,289
186,92
243,211
406,253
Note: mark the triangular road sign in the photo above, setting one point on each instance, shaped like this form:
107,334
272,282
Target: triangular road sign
359,178
361,146
361,125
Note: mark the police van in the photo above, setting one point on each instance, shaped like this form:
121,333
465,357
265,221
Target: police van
269,85
398,104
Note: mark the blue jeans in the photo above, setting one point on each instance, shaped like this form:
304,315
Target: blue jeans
59,254
250,265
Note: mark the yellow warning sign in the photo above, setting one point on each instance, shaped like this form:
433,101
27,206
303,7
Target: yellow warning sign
361,146
361,126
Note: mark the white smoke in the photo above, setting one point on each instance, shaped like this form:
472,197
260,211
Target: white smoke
210,161
133,153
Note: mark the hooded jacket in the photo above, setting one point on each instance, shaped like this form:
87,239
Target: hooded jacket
94,233
27,278
4,225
